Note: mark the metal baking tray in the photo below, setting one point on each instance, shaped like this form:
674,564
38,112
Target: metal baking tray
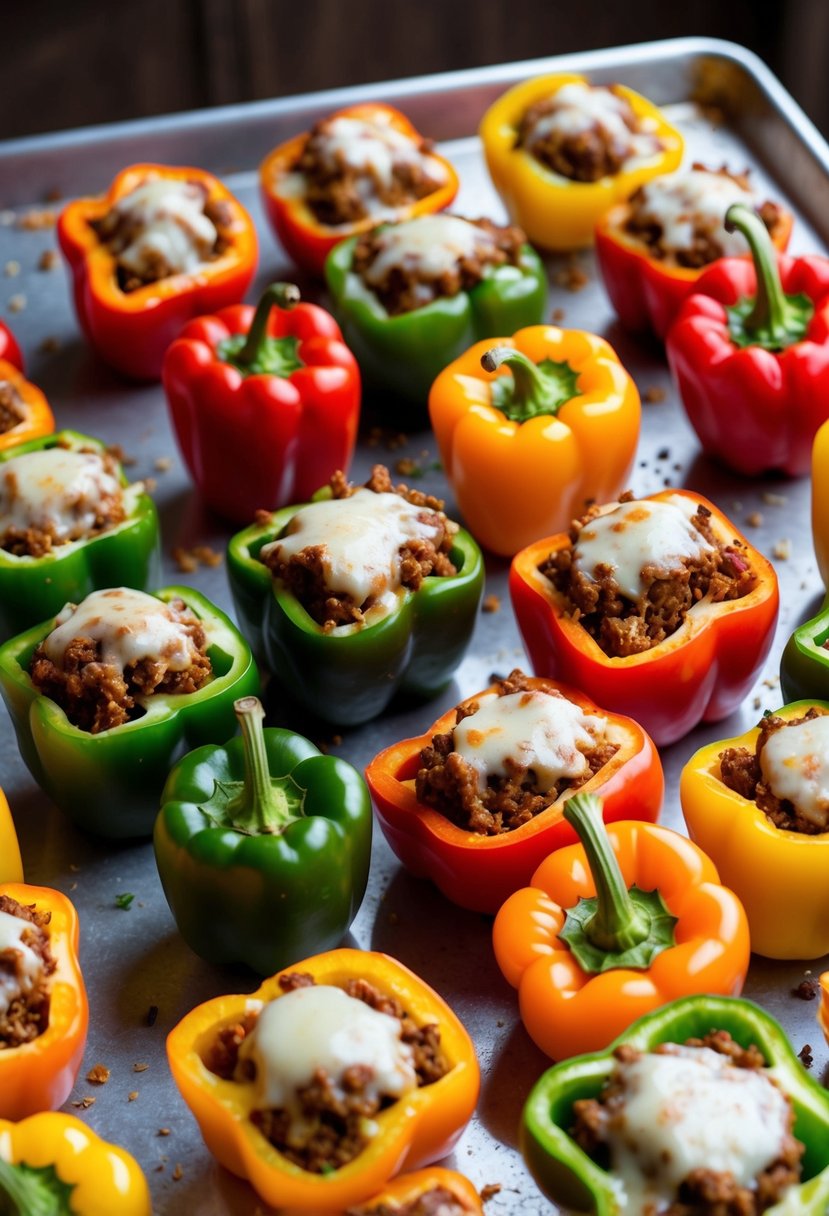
731,109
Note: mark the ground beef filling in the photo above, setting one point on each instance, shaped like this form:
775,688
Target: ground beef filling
27,1015
12,408
435,1202
740,771
623,627
704,1192
337,1110
449,783
304,573
98,696
581,156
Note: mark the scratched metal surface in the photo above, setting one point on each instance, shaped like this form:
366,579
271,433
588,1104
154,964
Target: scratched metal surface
134,959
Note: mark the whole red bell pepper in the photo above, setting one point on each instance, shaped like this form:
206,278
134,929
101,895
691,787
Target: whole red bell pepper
265,403
749,352
9,350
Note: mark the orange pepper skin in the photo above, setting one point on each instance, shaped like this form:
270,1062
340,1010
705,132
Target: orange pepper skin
39,419
567,1011
418,1129
11,866
300,233
407,1188
39,1075
701,673
585,452
132,330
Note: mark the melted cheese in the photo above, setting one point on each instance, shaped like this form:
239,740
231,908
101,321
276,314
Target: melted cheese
56,490
537,730
795,766
580,107
27,963
681,202
375,147
430,244
171,223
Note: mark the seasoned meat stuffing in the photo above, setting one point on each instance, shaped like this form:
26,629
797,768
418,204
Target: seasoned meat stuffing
27,1015
585,155
12,407
740,771
438,1201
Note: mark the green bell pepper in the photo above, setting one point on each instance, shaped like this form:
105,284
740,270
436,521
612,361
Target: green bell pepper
110,783
569,1177
405,353
34,588
263,846
804,664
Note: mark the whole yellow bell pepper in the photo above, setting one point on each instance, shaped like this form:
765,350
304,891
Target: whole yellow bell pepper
11,866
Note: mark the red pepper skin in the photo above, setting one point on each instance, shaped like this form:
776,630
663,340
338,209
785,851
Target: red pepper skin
754,409
9,350
259,441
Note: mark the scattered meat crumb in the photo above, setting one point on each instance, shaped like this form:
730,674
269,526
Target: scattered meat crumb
663,454
336,740
491,1189
85,1103
132,1095
806,990
152,1015
782,550
557,316
17,303
391,440
572,277
162,464
491,603
150,484
654,395
37,218
178,1172
12,269
140,1067
757,702
163,1131
98,1075
189,560
754,520
117,452
48,260
185,560
406,467
49,345
774,500
805,1055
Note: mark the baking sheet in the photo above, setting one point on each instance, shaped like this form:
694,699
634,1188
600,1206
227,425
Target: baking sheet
133,959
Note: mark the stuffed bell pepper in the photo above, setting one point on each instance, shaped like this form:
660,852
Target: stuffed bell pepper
655,606
24,411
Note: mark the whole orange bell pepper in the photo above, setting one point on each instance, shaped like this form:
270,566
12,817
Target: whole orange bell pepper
39,1075
524,452
11,866
408,1188
614,927
418,1129
37,418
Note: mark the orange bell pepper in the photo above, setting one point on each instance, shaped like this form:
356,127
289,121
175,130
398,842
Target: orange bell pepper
39,1075
615,927
11,866
525,452
410,1187
421,1128
37,417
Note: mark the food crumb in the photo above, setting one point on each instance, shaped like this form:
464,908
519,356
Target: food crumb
37,218
557,315
185,560
162,463
757,702
117,453
17,303
150,484
178,1172
654,395
806,990
489,1191
774,500
12,269
132,1095
49,345
491,603
805,1055
406,467
163,1131
124,900
189,560
754,520
499,1023
572,276
48,260
98,1074
140,1067
663,454
782,550
85,1103
152,1014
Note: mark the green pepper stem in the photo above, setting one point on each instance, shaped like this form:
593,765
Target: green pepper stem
27,1194
533,391
770,319
262,807
616,925
278,295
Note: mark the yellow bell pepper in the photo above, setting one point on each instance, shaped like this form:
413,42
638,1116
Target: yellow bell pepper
554,211
11,866
820,501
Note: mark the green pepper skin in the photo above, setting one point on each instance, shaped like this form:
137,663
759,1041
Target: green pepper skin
128,555
804,665
570,1178
110,783
405,353
351,678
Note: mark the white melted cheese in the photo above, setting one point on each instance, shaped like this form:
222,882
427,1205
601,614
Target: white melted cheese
691,1109
538,730
795,766
632,535
430,244
27,962
56,490
695,198
375,147
171,223
580,107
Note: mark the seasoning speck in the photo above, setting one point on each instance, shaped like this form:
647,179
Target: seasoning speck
132,1095
654,395
806,990
48,260
178,1172
124,900
557,315
754,520
805,1055
17,303
489,1191
152,1015
49,346
163,1131
491,603
140,1067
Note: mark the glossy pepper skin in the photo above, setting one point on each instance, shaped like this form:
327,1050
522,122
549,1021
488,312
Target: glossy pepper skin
110,783
263,846
566,1174
38,419
820,501
479,872
771,869
408,1188
265,403
299,231
11,865
699,674
33,588
131,330
563,427
412,1132
9,350
351,678
39,1075
54,1164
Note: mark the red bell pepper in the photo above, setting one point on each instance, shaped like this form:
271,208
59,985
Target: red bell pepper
750,355
9,350
265,403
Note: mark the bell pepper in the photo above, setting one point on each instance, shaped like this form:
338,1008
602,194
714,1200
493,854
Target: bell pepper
479,872
37,417
820,501
54,1165
109,783
302,235
408,1188
11,865
39,1075
265,404
351,677
823,1007
614,927
569,1177
563,427
699,674
410,1133
33,588
131,330
9,350
267,805
403,354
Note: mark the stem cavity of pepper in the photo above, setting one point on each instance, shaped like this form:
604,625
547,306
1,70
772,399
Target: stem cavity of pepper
771,319
534,388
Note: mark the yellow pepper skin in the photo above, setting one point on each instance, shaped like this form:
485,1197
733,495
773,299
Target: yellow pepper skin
11,867
820,501
781,877
554,211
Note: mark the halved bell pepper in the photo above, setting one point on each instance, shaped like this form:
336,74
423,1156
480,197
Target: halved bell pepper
612,928
33,588
37,418
9,350
54,1165
11,865
132,330
480,872
699,674
39,1075
412,1132
263,846
569,1177
302,235
109,783
525,452
407,1189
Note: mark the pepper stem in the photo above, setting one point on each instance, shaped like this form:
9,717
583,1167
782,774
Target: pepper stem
535,389
278,295
773,319
262,806
27,1191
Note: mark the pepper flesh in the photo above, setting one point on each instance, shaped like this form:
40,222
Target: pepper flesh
11,865
804,664
9,350
39,419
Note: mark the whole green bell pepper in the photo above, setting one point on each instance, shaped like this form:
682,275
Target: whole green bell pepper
263,846
804,664
569,1177
109,783
33,588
